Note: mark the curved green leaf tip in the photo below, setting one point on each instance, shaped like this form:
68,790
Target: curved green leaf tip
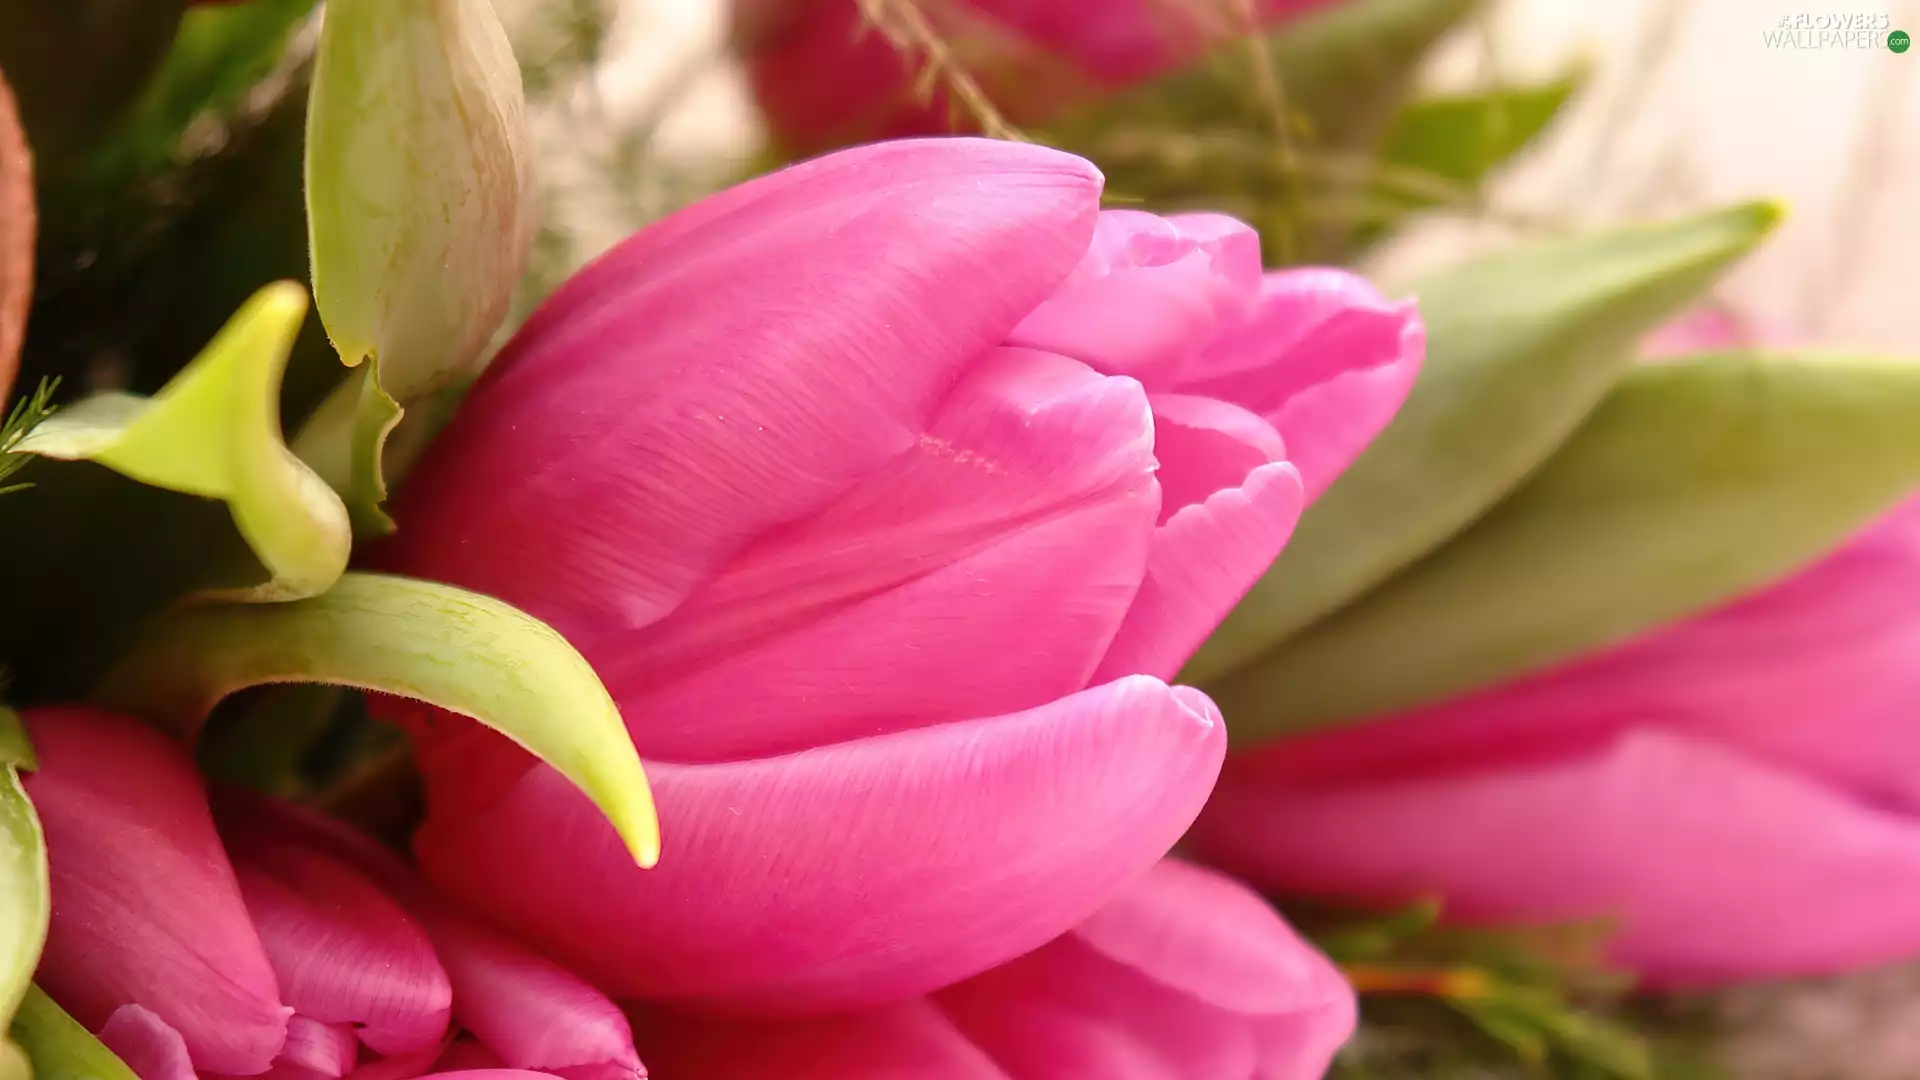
59,1047
214,431
461,651
25,899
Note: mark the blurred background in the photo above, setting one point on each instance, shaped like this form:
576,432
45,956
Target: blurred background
1685,105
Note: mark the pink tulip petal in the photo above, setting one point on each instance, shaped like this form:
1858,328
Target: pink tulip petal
854,873
908,1041
1204,560
530,1012
1206,445
147,1044
1324,358
735,367
1149,295
489,1074
1008,545
1207,936
1184,973
325,1049
1834,642
345,952
1716,866
145,906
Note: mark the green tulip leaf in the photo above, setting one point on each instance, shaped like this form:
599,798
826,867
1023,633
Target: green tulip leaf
214,432
219,53
1440,149
59,1047
1695,482
1520,347
25,902
463,652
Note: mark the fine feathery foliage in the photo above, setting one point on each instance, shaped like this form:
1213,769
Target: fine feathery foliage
26,414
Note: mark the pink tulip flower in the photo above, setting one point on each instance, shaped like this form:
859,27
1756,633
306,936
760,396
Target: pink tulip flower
883,492
1184,975
825,79
274,953
1738,793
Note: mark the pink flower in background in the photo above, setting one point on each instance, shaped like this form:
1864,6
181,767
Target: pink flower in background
883,492
270,953
824,79
1184,975
1740,792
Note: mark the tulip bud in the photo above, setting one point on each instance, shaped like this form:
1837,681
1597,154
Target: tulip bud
419,189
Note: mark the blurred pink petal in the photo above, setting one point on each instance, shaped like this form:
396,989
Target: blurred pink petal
147,1044
745,361
1325,358
1833,643
1713,865
1185,974
345,953
1008,544
146,910
907,1041
1149,295
823,81
849,873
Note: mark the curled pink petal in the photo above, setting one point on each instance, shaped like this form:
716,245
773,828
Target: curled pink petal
786,872
1707,860
1009,542
1203,561
405,1066
324,1049
146,910
1149,295
1324,358
786,338
147,1044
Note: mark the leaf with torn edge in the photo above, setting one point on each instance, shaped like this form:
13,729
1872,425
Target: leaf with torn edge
214,431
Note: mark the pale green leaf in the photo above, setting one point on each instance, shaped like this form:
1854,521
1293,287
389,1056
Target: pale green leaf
214,431
1695,482
466,653
345,443
1520,347
59,1047
25,903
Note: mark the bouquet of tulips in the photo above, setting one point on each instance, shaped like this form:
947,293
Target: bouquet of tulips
988,598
